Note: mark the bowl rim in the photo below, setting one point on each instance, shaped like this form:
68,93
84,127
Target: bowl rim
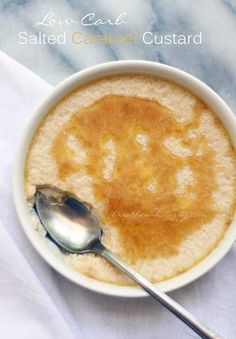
200,89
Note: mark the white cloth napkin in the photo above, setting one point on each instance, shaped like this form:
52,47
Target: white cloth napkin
36,302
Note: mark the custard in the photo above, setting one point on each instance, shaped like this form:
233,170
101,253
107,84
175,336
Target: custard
154,161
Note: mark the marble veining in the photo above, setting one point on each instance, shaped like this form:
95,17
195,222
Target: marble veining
213,61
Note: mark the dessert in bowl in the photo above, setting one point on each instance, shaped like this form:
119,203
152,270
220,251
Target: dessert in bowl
153,156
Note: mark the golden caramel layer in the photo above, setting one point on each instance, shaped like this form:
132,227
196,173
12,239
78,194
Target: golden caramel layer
139,191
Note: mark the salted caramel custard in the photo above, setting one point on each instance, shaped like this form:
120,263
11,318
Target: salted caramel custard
154,161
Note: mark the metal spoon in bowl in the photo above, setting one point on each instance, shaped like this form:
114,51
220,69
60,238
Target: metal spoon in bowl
73,226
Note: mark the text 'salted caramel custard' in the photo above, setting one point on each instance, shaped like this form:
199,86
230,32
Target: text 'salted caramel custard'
155,163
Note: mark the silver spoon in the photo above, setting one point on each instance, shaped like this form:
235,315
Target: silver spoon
73,225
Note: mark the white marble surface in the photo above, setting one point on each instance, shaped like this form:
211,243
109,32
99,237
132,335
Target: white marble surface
213,61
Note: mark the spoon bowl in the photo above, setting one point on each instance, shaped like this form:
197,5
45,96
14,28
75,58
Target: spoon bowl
70,222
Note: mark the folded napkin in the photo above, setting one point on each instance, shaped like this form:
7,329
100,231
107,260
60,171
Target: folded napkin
36,302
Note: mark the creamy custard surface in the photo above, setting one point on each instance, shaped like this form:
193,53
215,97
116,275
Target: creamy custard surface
155,163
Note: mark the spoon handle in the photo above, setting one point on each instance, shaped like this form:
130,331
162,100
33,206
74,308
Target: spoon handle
156,293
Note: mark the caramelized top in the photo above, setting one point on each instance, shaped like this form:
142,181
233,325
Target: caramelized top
134,173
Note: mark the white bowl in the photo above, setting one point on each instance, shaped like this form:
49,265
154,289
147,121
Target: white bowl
80,78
